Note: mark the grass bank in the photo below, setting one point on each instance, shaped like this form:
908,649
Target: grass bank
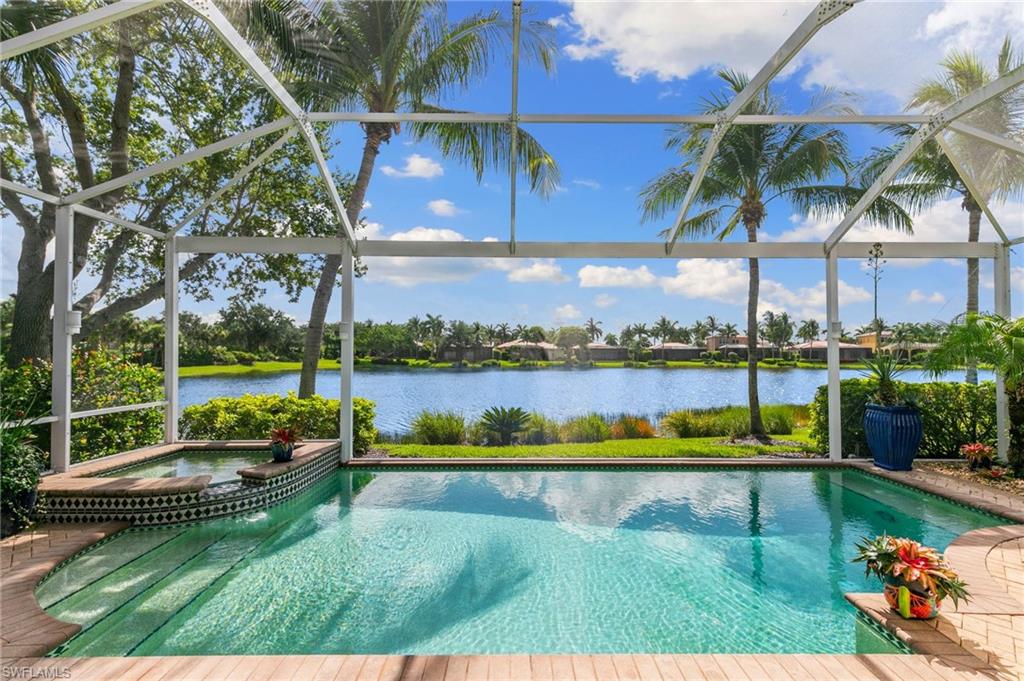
418,365
711,447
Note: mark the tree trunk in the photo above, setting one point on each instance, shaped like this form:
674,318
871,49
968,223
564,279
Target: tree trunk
325,287
754,402
973,233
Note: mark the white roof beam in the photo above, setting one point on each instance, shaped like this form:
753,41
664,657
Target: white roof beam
29,191
115,220
577,249
584,118
230,35
47,35
926,132
1015,242
968,181
238,177
823,13
180,160
986,136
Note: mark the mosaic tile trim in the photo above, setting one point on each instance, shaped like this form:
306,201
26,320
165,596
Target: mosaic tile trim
185,507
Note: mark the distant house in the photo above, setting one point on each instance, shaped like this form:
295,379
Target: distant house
718,340
520,349
818,350
469,354
602,352
869,340
676,352
764,349
908,350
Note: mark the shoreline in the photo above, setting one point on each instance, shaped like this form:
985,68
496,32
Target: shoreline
227,370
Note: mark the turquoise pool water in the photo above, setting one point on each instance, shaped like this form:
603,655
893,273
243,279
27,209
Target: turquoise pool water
221,465
579,561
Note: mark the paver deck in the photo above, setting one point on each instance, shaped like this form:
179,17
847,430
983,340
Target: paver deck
981,640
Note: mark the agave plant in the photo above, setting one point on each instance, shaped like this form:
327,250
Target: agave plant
884,370
505,422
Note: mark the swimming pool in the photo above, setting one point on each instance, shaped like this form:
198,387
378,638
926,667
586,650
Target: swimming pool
448,561
221,465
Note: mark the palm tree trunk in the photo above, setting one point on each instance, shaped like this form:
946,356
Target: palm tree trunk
325,287
973,233
754,402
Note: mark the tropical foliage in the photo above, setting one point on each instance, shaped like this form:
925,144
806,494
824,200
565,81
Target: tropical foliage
730,421
439,428
953,414
921,567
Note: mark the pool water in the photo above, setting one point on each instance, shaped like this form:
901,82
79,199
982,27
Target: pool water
431,561
221,465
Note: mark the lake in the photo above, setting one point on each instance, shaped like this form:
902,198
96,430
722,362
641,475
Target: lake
400,394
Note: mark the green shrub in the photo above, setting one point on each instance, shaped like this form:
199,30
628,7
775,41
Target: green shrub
589,428
19,475
251,417
439,428
246,358
953,414
657,363
99,378
490,363
728,421
541,430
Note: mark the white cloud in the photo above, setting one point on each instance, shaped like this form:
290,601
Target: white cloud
604,276
589,184
918,296
541,270
721,280
727,281
443,208
603,300
902,40
367,205
415,166
1017,277
567,313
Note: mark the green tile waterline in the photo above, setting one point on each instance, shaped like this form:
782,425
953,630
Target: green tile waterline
443,561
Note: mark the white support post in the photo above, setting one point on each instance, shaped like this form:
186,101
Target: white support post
63,330
833,325
347,333
513,161
171,340
1002,305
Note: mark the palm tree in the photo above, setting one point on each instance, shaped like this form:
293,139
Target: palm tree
996,341
520,331
387,56
434,327
663,329
503,332
729,332
902,336
754,166
699,331
593,329
712,324
808,331
931,177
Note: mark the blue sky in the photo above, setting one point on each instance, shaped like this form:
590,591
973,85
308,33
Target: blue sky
657,57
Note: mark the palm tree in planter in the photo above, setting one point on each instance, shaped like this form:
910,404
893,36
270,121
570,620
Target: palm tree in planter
892,427
387,56
755,165
999,342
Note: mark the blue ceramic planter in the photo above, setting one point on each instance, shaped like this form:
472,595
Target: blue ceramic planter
893,435
281,452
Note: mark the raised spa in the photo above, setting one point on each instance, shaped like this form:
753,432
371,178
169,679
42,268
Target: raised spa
222,465
453,561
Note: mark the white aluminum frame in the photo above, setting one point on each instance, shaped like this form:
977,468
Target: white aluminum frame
298,120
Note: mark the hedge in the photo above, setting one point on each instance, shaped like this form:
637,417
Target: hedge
953,414
99,378
251,417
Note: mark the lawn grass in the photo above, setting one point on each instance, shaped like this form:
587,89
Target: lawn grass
711,447
255,368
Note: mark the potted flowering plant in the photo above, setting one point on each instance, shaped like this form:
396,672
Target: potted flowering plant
282,443
978,455
915,578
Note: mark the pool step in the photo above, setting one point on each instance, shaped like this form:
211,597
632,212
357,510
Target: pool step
100,561
120,631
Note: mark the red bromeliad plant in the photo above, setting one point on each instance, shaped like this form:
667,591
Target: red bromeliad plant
284,436
916,577
978,455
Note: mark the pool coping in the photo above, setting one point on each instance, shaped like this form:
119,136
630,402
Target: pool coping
949,647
